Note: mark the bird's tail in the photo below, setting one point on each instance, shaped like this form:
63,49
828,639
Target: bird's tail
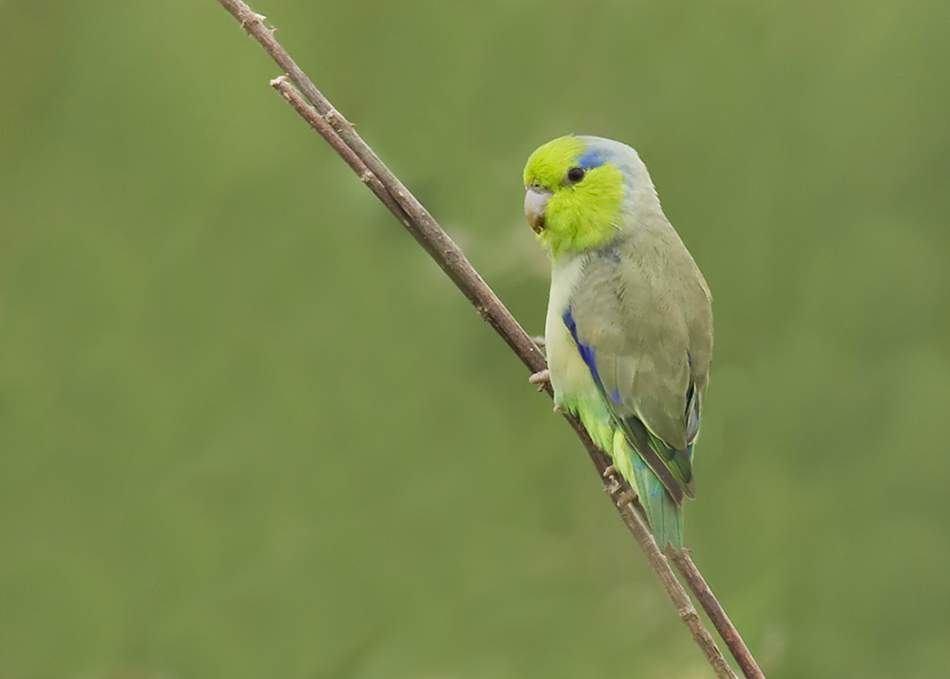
664,515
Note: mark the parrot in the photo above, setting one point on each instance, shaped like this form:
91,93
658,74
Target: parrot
629,331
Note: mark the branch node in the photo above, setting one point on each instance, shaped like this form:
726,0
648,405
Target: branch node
336,119
688,613
252,17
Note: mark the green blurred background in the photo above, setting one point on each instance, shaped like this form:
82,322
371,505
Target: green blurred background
247,428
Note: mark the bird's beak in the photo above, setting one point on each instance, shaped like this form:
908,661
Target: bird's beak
535,201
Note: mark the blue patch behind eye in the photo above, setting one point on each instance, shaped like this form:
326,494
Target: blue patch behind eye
591,159
587,353
615,396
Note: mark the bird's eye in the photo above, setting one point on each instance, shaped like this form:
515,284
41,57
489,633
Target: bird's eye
575,174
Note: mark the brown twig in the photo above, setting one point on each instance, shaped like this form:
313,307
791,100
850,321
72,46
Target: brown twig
339,133
717,614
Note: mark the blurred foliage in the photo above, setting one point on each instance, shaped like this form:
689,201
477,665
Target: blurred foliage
247,429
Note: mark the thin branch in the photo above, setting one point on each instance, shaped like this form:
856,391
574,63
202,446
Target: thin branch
339,133
322,127
420,223
717,614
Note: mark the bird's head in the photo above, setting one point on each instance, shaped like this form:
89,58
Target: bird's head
577,190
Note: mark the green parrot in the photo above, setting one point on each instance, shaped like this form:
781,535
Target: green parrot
629,325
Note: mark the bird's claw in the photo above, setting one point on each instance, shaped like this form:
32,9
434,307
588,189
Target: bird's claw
620,494
623,496
540,379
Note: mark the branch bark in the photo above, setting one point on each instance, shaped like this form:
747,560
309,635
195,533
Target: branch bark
717,614
300,92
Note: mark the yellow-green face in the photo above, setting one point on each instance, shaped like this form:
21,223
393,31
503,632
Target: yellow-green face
573,196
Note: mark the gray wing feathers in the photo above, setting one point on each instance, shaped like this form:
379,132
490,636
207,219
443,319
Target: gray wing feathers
643,309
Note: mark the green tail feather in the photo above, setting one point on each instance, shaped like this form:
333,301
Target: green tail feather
664,515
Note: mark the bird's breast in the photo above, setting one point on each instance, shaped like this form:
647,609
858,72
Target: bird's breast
570,376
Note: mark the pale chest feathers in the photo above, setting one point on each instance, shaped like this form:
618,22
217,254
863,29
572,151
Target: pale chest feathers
570,376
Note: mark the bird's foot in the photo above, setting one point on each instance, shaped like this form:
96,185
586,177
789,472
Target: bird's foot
623,497
619,493
540,379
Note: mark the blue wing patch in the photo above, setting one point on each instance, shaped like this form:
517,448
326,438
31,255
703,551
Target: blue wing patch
587,353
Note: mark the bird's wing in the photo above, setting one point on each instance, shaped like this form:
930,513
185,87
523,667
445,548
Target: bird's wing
628,320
